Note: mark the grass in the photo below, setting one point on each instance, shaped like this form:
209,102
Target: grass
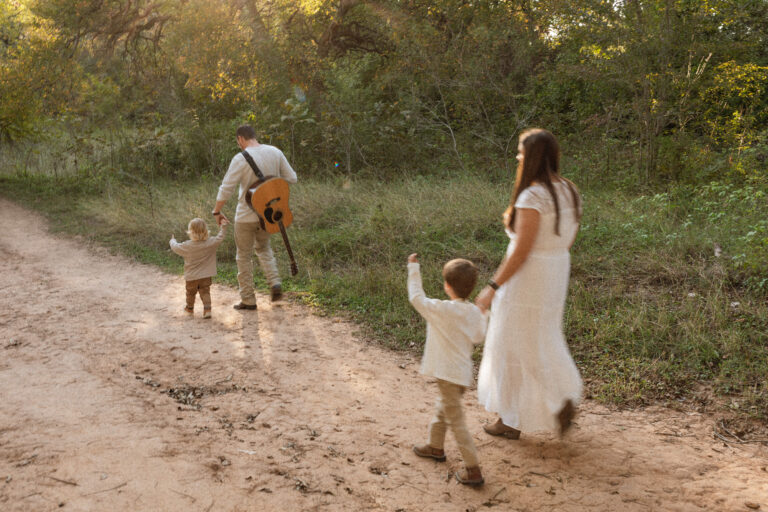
653,313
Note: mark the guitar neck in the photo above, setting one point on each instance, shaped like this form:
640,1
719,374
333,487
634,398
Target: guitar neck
294,267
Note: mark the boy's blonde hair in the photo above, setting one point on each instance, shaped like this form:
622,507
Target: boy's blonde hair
461,274
197,230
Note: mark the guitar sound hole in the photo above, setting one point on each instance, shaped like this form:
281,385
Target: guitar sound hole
277,215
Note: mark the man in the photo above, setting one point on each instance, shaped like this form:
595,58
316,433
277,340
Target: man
248,232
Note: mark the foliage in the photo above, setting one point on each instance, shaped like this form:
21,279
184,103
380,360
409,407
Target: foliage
374,85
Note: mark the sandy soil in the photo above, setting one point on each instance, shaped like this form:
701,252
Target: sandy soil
113,399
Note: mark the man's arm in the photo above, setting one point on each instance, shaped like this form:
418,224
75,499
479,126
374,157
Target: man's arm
228,184
286,171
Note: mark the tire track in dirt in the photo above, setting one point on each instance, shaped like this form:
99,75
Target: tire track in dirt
112,399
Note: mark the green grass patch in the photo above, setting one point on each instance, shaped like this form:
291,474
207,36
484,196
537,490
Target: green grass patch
668,290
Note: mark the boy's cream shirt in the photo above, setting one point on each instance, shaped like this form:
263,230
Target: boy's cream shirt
453,328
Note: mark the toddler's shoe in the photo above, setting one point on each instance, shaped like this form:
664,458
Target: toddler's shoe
206,313
189,311
276,293
243,306
470,476
425,450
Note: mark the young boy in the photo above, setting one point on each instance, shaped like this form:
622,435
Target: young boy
453,328
199,253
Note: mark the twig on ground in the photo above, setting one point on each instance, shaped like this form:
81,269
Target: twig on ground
493,501
725,429
417,488
184,494
718,435
106,490
62,481
673,434
210,506
26,462
738,439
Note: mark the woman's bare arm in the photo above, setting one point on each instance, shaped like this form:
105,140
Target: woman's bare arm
526,229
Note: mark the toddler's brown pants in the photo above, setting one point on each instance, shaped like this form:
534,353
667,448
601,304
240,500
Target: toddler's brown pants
202,286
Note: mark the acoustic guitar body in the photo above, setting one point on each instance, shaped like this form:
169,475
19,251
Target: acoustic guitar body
269,199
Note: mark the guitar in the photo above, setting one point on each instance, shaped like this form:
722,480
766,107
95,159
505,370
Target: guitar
268,197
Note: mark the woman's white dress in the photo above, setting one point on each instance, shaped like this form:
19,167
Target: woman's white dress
527,372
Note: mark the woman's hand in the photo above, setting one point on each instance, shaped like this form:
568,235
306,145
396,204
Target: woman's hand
484,298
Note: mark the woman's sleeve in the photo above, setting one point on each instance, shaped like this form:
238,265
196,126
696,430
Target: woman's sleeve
530,199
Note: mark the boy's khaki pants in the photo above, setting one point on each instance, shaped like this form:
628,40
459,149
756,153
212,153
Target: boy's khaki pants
203,286
249,237
450,413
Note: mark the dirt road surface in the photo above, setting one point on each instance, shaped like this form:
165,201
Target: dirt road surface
113,400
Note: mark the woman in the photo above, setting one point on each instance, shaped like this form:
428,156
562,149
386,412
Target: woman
527,375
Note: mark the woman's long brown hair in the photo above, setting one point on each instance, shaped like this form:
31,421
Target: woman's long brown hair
541,163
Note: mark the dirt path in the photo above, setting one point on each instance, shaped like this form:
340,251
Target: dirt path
112,399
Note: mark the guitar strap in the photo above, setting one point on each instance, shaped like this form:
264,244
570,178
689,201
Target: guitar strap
253,165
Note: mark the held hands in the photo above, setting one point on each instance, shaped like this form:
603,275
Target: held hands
221,219
484,298
224,222
413,258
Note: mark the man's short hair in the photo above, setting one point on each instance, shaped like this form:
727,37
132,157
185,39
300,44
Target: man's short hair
461,275
246,131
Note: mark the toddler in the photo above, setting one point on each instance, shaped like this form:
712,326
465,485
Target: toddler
453,328
199,253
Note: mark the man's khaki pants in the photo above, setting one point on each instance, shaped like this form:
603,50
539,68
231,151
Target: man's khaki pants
249,237
450,413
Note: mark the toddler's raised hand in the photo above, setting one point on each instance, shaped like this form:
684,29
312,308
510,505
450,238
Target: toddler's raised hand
413,258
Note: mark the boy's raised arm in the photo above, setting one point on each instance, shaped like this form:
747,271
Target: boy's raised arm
176,246
424,305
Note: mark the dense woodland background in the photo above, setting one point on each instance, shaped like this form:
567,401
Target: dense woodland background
660,88
401,118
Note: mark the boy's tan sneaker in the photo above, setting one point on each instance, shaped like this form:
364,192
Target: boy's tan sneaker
207,313
189,311
425,450
470,476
